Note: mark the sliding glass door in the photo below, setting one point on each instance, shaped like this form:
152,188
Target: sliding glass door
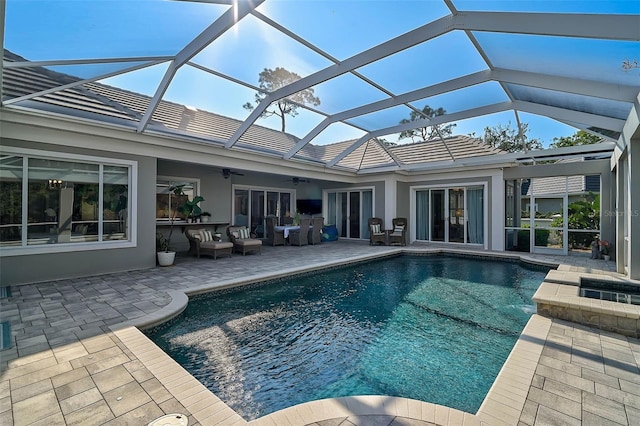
350,211
456,215
438,215
450,215
252,205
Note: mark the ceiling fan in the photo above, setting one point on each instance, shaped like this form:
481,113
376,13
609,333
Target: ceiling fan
297,180
228,172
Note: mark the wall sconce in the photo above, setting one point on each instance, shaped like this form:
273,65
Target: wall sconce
55,184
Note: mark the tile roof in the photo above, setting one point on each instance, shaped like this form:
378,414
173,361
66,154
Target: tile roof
105,100
556,184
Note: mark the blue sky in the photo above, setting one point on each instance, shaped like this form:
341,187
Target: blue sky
89,29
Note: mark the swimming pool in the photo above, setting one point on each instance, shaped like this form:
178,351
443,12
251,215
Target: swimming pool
434,328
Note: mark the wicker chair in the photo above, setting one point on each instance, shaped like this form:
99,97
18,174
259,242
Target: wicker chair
199,247
243,244
377,234
274,238
300,237
315,234
398,235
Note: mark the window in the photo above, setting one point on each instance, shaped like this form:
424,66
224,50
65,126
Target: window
50,200
167,201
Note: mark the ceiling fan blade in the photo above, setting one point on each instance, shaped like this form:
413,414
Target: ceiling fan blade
228,172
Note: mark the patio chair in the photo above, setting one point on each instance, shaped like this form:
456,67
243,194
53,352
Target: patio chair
315,234
398,234
287,220
242,241
377,233
201,242
274,238
300,237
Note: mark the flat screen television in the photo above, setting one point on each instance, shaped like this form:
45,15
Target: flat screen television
309,206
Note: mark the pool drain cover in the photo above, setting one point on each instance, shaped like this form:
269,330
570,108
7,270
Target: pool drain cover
170,420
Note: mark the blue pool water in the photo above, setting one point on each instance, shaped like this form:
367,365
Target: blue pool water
436,329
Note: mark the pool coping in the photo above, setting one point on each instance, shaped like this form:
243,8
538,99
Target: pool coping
503,403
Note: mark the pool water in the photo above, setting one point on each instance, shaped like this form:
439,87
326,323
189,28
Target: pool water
436,329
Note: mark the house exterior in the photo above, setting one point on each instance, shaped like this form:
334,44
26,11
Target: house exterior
86,167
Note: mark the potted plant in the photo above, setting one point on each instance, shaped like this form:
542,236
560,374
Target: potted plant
165,255
204,216
605,249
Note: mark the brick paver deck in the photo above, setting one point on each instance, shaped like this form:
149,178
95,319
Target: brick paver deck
76,358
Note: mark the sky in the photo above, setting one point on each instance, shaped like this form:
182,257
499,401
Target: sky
42,30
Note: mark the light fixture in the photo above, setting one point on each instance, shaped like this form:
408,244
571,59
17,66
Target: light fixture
55,184
226,173
296,180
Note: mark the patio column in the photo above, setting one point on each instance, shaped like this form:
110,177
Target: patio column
632,215
496,212
390,200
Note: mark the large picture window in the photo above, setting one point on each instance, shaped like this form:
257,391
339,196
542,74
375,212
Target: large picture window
50,200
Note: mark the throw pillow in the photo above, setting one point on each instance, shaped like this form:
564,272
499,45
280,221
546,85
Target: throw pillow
244,233
235,234
375,228
398,229
206,236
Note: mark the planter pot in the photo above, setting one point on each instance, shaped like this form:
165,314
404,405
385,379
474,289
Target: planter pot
606,257
166,258
204,219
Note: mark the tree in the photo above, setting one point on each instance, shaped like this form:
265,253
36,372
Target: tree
385,142
508,138
428,132
579,138
582,214
272,80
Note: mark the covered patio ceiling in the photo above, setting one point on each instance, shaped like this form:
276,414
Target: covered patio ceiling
371,63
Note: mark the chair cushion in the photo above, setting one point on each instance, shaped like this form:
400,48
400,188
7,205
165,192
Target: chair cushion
216,245
248,242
